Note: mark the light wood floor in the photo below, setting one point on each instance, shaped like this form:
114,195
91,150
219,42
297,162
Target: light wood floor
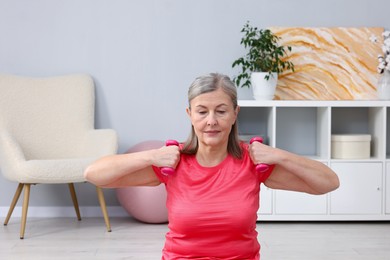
67,238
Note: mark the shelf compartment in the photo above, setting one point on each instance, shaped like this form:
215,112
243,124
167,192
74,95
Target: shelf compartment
256,121
361,120
303,130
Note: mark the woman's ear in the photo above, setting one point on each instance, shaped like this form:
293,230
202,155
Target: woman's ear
188,110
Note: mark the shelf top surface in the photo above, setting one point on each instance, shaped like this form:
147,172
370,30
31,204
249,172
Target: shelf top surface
314,103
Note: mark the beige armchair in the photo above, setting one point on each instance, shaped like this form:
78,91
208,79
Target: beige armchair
47,135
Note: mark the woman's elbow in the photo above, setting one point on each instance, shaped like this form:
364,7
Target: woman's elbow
335,183
90,175
332,184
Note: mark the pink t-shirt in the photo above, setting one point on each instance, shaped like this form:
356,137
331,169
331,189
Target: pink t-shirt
212,211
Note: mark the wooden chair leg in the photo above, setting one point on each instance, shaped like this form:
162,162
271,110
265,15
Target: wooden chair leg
13,203
74,199
24,209
103,206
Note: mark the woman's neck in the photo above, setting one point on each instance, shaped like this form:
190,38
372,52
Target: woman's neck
211,156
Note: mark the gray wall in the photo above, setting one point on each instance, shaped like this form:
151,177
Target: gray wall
143,54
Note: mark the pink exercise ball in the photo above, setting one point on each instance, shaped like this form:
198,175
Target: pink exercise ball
146,204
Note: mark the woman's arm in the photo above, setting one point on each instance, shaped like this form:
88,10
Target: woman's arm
132,169
294,172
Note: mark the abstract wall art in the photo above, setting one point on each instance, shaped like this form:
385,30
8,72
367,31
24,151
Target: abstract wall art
330,63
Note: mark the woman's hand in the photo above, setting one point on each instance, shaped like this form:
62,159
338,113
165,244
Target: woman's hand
131,169
294,172
261,153
166,156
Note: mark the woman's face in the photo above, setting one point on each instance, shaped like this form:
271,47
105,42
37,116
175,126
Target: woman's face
212,116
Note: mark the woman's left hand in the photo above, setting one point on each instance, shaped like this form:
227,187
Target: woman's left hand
294,172
261,153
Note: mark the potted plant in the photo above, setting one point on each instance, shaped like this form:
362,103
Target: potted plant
263,62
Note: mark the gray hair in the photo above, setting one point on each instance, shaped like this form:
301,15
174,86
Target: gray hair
205,84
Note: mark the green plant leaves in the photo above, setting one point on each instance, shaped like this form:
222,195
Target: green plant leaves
264,55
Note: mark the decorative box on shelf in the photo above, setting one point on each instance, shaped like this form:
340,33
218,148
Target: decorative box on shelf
351,146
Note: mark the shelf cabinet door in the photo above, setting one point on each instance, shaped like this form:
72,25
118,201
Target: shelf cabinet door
360,190
298,203
265,200
388,188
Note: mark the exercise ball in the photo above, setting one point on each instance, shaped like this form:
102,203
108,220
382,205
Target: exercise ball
146,204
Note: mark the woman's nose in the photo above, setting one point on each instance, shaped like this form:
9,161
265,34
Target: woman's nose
211,119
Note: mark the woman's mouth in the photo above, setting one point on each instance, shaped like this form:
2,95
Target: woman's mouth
212,132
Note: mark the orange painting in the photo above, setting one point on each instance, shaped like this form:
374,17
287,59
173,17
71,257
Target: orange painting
330,63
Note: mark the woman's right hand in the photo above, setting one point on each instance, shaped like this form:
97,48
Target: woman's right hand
166,156
131,169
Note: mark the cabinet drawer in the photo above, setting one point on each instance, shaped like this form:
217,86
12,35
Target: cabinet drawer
265,200
289,202
387,188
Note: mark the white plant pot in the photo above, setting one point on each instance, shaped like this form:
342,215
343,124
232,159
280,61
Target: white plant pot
263,89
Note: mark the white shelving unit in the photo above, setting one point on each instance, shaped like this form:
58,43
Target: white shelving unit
305,128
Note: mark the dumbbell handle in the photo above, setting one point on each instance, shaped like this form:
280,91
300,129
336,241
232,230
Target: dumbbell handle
169,170
261,167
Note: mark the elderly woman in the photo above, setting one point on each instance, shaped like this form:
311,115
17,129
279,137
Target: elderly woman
213,196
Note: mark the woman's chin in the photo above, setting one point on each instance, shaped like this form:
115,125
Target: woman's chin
213,140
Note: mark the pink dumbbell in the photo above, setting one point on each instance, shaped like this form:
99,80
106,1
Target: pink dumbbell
261,167
169,170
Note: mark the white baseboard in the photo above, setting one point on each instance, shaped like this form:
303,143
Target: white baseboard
56,212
